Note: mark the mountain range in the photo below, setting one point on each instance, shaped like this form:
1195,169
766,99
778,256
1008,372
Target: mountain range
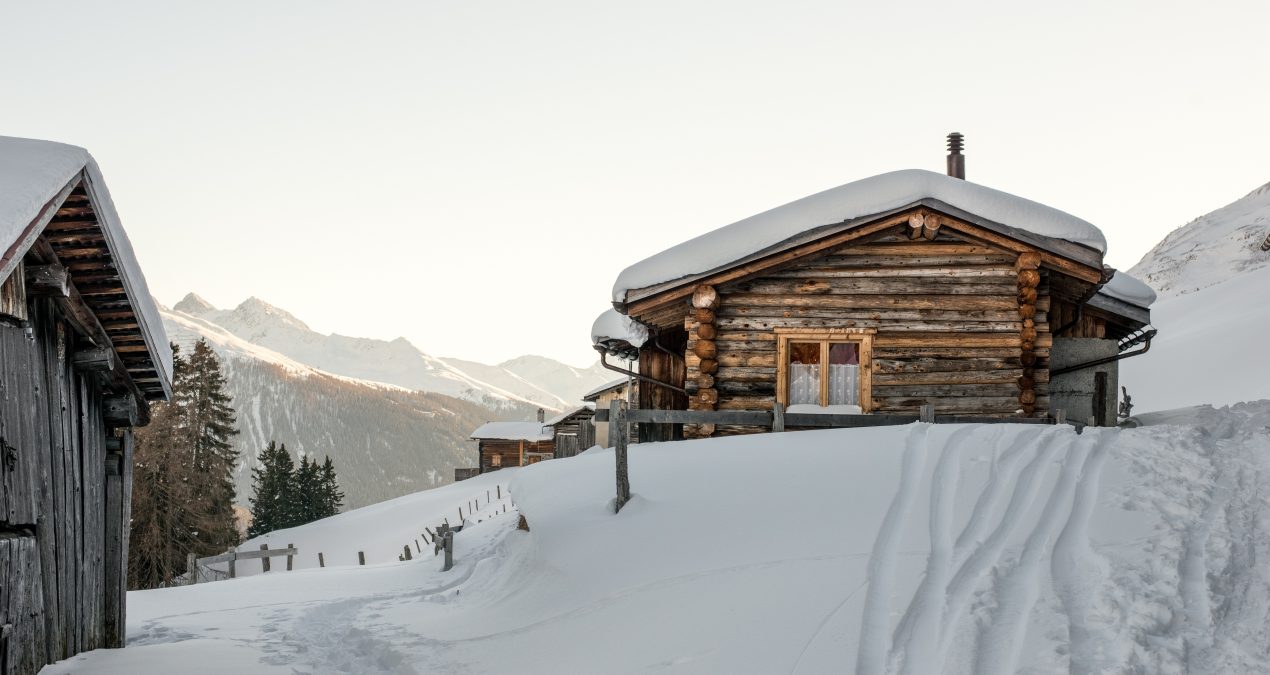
394,419
1211,277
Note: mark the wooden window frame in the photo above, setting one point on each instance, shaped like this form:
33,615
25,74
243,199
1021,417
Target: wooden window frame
862,337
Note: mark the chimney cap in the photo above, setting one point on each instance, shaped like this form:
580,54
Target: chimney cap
956,161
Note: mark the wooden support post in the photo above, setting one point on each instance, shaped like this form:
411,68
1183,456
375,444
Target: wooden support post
778,417
613,406
619,453
406,552
500,490
290,547
264,560
233,564
417,547
1060,416
449,551
927,413
47,281
361,557
191,568
1100,398
321,559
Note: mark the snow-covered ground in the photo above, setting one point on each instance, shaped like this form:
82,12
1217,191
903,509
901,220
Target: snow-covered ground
915,549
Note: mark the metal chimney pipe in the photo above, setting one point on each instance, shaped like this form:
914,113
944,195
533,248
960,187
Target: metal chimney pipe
956,160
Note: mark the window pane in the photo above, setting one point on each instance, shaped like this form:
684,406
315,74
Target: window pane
844,373
804,373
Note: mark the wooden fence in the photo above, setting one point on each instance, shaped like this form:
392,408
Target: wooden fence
779,420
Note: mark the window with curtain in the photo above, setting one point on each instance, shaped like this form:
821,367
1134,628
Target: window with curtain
823,369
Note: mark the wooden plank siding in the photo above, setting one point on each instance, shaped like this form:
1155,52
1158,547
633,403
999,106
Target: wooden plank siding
945,311
58,567
510,453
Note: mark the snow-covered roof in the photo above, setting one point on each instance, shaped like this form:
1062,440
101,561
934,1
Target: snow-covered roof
32,174
512,431
607,386
870,196
613,326
566,415
1126,288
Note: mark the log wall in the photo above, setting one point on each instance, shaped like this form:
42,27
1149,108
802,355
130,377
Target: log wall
63,521
948,315
509,452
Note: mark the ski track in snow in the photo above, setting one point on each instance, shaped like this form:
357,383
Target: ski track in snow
874,641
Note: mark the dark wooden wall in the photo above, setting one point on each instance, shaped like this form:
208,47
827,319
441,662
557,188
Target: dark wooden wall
63,519
946,314
509,452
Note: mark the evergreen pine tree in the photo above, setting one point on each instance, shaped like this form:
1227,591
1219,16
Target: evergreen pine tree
272,504
208,422
332,497
308,491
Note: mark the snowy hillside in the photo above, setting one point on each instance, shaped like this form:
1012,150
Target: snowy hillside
1210,275
915,549
397,362
1211,248
537,378
386,441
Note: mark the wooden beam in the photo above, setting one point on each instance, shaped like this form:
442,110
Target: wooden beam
96,359
48,281
13,295
120,411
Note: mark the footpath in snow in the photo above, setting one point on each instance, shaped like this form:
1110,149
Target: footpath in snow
915,549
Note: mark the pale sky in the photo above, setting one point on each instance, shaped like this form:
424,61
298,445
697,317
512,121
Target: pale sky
473,175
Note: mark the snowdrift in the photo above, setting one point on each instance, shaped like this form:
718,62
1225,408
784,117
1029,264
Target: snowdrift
916,549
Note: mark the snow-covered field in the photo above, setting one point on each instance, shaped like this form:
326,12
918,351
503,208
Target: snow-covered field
916,549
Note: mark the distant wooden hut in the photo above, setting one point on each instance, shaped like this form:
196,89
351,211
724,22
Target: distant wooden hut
622,389
882,295
82,352
504,444
572,431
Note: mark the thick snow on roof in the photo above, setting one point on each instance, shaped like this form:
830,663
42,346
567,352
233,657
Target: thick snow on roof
32,172
513,431
866,197
1128,289
613,326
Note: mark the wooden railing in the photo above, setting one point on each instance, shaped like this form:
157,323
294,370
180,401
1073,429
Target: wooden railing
778,419
232,557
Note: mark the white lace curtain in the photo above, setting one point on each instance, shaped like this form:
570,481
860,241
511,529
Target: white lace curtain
804,384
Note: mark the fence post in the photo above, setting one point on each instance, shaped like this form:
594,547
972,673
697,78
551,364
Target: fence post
417,548
778,417
1060,416
191,565
361,557
927,413
289,556
449,550
618,414
321,560
500,490
233,563
407,553
264,560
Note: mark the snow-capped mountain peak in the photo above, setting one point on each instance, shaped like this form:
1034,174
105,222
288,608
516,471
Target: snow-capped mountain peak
1210,249
194,305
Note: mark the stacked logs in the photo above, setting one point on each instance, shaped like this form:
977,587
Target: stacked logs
705,299
1029,277
923,226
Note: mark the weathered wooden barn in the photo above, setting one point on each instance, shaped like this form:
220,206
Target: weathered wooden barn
623,389
572,431
880,296
82,352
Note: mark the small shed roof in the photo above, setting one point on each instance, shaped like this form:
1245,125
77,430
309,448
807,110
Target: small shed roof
513,431
1126,288
606,387
868,197
568,414
36,177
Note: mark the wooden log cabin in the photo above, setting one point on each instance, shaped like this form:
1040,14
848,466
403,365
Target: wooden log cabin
881,295
82,352
504,444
